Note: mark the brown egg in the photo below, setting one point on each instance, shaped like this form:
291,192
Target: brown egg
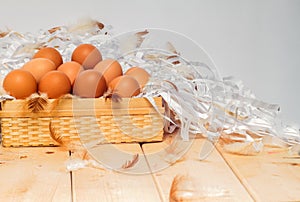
89,84
51,54
110,69
125,86
55,84
38,67
141,75
71,69
87,55
19,84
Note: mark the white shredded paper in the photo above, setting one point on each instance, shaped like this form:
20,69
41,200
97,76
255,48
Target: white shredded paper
202,102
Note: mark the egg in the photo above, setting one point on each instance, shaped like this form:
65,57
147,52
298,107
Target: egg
110,69
55,84
89,84
71,69
87,55
124,86
19,83
38,67
141,75
51,54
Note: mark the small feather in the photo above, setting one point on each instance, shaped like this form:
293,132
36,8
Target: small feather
140,37
37,103
85,25
54,29
3,34
27,49
71,145
115,97
131,163
182,189
54,135
171,48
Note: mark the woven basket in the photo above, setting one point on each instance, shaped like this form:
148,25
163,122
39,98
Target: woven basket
104,121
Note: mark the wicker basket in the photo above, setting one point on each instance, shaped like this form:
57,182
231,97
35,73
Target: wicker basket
130,120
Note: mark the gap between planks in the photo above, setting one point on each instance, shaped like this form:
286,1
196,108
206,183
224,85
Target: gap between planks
238,175
152,175
71,180
113,183
272,175
209,175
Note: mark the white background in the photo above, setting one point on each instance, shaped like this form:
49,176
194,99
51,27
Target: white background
257,41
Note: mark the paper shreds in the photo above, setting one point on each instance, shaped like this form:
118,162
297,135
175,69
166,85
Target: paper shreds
201,102
18,48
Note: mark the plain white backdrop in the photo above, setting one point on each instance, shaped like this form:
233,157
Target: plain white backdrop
257,41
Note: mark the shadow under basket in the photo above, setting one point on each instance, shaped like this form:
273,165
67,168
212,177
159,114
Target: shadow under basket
28,123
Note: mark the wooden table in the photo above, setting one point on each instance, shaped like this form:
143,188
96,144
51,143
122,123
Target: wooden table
40,174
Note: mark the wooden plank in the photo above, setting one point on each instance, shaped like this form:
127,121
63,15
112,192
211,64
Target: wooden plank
111,182
273,175
34,174
176,164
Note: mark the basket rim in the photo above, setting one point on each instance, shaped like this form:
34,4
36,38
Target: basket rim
82,107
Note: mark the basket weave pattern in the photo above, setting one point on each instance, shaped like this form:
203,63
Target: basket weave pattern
141,123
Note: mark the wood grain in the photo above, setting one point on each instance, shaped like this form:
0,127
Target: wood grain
110,182
207,180
271,176
34,174
39,174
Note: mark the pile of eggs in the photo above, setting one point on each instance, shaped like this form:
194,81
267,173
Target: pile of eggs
87,75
